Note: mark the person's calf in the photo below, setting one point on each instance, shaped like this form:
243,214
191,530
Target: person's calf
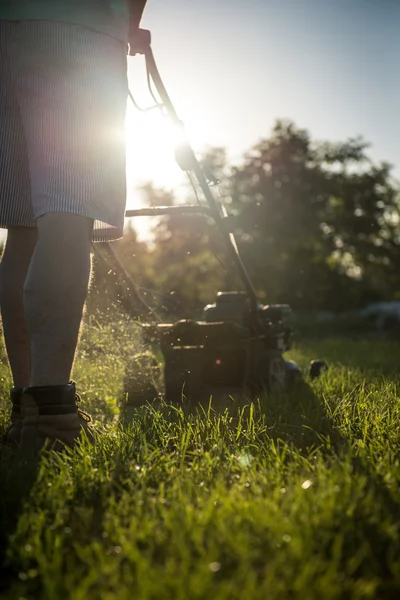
54,295
19,248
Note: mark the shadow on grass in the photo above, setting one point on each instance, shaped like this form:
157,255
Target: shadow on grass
301,417
296,415
17,478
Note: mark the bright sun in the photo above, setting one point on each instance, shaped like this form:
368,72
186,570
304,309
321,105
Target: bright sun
151,141
149,147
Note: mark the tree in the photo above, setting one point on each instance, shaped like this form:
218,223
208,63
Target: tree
313,218
316,224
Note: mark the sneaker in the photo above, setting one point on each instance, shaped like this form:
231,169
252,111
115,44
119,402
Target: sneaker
13,433
52,419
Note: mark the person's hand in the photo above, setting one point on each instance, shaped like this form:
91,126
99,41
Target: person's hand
139,40
136,8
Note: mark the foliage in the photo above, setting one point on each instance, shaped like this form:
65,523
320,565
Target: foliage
316,222
315,215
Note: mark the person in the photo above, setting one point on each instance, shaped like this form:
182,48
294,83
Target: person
63,97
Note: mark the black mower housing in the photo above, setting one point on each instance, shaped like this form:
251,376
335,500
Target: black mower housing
220,353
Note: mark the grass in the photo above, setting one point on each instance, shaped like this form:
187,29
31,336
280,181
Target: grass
296,496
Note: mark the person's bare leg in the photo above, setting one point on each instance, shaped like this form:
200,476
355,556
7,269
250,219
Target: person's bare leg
54,295
14,266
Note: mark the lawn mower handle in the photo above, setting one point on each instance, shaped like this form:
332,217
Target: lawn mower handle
187,160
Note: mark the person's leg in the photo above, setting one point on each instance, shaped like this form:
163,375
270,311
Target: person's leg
54,295
44,279
16,215
14,266
72,109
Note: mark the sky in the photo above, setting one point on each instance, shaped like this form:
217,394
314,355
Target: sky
232,67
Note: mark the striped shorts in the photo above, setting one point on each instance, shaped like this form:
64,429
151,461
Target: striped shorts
63,96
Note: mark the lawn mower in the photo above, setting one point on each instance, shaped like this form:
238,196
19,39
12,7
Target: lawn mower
238,346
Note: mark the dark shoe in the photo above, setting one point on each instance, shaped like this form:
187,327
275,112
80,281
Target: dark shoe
13,434
51,418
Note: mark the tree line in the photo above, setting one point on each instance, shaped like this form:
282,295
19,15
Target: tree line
317,225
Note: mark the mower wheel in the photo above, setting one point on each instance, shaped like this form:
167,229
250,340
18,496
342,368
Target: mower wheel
316,368
294,374
277,374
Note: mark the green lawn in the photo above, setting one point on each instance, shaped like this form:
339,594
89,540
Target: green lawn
295,497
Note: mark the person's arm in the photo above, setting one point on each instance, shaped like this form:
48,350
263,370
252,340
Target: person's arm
136,8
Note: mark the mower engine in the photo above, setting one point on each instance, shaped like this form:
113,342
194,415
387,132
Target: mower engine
221,356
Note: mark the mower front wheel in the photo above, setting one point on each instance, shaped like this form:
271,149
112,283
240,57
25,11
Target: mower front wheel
317,367
277,374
